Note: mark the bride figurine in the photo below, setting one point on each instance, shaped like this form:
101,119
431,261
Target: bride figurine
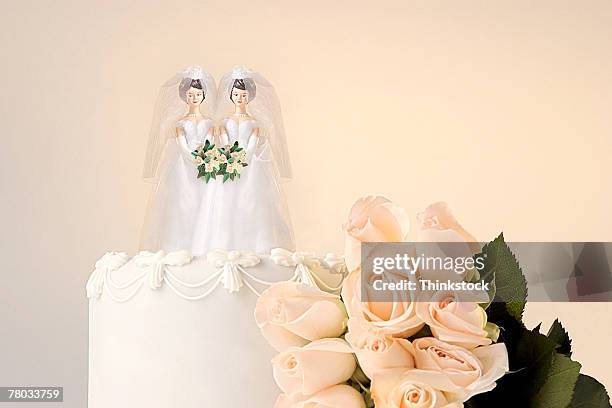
248,213
180,125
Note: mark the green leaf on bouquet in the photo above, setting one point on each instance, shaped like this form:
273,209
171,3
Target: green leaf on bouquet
504,272
226,177
424,332
207,177
535,352
558,386
530,354
589,393
559,335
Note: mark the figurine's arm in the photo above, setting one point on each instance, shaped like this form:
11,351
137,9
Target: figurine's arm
223,138
210,135
184,149
252,144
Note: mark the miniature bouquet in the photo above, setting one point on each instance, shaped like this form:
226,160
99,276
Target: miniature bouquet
226,162
434,352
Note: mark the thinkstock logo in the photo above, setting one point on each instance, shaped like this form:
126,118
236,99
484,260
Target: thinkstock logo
540,271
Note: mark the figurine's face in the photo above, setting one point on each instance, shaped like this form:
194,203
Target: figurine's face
240,97
195,96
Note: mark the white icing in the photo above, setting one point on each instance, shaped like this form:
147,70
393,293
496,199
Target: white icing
224,268
157,263
111,261
304,263
335,263
169,330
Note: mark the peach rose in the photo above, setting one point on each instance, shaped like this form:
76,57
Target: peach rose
401,388
314,367
453,321
338,396
293,314
373,219
473,372
377,351
438,225
397,318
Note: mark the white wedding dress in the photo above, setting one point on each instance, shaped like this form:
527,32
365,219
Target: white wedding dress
248,213
177,193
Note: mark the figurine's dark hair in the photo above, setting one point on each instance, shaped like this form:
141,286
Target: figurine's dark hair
190,83
246,84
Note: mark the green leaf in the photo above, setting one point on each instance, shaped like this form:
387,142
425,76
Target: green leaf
559,335
535,352
511,330
558,387
424,332
503,271
226,177
368,400
207,177
589,393
530,355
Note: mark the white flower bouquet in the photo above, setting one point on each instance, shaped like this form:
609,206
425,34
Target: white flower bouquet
213,162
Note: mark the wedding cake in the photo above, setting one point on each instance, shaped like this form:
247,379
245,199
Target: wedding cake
175,328
169,330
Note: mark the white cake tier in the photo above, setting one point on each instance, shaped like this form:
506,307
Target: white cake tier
169,331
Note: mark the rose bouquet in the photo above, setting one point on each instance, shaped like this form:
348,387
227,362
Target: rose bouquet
342,352
226,162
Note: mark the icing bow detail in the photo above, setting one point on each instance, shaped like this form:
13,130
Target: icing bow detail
335,263
232,264
111,261
158,261
304,263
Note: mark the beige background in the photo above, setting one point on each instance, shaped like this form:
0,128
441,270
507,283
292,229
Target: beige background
501,108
